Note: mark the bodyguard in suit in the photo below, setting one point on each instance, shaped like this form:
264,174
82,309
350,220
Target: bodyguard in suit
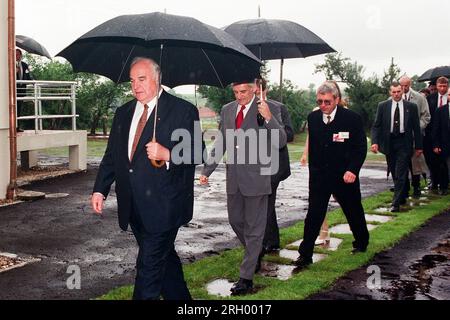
248,181
337,150
22,73
396,133
418,165
271,240
437,165
441,138
155,202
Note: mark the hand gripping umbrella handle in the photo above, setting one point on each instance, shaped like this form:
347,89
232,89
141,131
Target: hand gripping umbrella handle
157,163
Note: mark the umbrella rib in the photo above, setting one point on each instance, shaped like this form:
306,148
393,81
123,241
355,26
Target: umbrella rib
212,66
126,61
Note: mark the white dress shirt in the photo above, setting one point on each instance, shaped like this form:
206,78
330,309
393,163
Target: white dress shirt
402,115
247,107
444,99
332,115
138,111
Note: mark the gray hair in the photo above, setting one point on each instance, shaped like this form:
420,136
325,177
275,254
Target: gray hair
155,67
328,87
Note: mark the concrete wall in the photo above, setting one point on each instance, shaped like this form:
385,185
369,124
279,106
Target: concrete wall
4,113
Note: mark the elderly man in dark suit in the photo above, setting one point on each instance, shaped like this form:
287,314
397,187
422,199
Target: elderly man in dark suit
154,201
250,130
271,240
441,137
337,150
396,133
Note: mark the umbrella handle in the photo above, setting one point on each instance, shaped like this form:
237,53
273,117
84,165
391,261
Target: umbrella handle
157,163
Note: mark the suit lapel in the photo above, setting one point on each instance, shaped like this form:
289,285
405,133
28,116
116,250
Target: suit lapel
232,118
389,114
126,124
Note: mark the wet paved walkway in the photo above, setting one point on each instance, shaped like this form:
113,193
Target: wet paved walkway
63,232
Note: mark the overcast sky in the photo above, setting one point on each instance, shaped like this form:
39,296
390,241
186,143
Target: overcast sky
367,31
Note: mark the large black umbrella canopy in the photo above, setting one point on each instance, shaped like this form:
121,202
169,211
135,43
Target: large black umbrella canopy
434,73
32,46
192,52
271,39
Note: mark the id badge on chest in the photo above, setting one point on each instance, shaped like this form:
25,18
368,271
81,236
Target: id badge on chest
341,136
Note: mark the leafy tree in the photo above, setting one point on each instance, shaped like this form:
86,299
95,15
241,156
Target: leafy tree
96,95
298,102
364,94
217,97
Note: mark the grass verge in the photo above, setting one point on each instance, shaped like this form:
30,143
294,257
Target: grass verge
320,275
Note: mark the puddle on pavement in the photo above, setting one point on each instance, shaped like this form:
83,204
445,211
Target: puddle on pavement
56,195
345,228
332,246
222,287
219,287
377,218
293,255
381,210
274,270
429,277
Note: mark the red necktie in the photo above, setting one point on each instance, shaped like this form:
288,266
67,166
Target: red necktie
139,129
240,117
440,103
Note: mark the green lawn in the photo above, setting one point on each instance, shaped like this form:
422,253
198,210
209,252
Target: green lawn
318,276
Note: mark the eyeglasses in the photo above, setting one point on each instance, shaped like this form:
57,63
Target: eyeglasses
327,102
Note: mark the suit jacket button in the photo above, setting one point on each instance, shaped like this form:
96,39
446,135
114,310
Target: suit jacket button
130,171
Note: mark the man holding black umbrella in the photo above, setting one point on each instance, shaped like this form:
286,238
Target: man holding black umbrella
248,126
155,202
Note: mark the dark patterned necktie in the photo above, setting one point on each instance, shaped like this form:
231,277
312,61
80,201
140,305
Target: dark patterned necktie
139,129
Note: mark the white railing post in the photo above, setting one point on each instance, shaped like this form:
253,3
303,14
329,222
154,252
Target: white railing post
74,107
36,108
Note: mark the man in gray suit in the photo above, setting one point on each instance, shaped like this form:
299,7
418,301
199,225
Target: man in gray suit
250,130
418,164
396,133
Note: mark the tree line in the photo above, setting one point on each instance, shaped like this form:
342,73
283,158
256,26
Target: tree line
98,97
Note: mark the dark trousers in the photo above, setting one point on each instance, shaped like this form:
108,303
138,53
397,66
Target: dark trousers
272,233
398,159
349,198
432,160
159,270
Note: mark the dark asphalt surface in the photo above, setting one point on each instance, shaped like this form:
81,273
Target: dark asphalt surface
63,233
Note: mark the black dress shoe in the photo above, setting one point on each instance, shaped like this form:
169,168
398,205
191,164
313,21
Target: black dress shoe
358,250
302,263
395,209
243,286
269,249
443,192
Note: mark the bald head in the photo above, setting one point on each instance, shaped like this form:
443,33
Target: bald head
405,83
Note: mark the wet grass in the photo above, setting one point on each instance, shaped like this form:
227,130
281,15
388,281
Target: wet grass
320,275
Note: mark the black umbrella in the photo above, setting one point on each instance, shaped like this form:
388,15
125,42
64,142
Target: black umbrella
434,73
189,51
271,39
32,46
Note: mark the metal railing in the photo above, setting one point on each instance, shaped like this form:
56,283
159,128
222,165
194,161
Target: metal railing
38,91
